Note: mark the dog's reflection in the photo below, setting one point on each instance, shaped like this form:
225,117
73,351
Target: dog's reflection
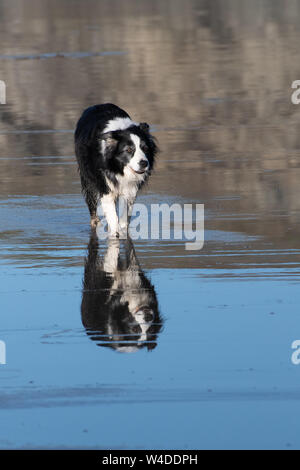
119,307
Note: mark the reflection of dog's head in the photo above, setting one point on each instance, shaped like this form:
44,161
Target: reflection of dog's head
119,307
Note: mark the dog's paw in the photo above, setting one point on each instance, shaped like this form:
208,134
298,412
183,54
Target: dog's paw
95,221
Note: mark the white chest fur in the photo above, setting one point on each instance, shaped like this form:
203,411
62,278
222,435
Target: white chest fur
127,186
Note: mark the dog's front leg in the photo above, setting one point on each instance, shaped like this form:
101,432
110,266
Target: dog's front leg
109,210
127,211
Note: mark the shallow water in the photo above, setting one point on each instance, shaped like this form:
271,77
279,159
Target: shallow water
214,370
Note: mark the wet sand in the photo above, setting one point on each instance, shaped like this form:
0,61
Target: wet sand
213,79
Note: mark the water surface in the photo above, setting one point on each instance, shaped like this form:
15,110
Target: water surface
213,79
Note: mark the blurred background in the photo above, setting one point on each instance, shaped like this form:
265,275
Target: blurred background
212,77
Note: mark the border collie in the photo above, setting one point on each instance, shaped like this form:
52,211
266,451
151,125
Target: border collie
115,157
119,307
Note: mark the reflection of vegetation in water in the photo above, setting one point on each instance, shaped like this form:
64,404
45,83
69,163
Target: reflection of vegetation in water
219,71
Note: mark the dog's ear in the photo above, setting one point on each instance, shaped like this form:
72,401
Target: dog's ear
108,140
151,140
144,126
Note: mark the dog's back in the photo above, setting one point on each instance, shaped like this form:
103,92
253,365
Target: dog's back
94,119
88,130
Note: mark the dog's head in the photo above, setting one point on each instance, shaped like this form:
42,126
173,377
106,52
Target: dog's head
129,151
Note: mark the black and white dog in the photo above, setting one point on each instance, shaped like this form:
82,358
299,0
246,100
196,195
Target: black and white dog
115,157
119,307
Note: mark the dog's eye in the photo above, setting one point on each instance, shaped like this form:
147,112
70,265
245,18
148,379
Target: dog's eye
129,149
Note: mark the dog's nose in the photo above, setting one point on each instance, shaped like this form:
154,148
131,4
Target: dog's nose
148,314
148,317
143,164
